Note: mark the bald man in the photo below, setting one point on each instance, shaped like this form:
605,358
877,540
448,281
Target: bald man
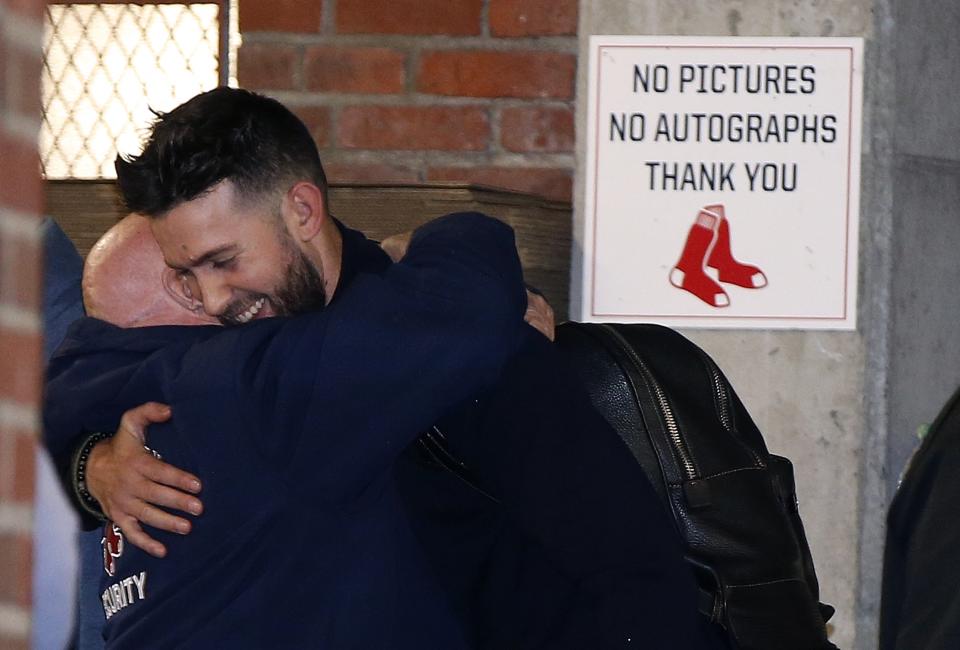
316,548
124,282
122,277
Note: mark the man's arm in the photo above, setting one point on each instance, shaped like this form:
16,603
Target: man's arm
62,301
62,305
929,612
397,351
539,314
921,602
135,477
453,303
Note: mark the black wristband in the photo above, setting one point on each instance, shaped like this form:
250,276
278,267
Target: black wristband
84,498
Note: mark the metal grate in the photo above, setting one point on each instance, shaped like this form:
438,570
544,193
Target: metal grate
106,65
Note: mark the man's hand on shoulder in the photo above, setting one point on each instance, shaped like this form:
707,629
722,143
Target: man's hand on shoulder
129,482
396,245
539,314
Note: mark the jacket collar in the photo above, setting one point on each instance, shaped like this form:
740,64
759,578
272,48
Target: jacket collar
360,255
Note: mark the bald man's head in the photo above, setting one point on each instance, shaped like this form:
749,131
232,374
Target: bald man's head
123,280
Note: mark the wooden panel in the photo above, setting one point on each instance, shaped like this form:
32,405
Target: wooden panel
86,209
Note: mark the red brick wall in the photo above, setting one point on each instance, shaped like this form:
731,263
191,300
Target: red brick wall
20,198
420,90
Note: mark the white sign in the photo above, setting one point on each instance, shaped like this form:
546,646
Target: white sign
722,181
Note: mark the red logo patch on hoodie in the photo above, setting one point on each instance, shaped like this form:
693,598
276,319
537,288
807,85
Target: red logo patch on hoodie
112,543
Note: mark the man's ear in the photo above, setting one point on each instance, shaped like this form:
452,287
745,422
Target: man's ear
179,289
304,210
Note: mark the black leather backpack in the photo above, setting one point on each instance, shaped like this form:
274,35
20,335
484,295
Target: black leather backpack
734,503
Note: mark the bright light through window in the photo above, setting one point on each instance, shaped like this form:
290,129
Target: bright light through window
107,65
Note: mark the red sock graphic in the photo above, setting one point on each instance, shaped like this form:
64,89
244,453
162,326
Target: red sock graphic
688,274
721,258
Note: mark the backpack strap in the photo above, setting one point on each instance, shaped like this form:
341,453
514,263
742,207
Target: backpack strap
710,605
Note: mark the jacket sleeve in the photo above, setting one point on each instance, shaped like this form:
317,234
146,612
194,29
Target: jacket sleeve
62,305
338,394
921,602
62,299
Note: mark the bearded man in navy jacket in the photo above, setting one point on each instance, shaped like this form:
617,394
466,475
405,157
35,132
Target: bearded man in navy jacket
559,542
304,541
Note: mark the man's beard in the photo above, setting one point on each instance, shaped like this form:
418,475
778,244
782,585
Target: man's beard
302,290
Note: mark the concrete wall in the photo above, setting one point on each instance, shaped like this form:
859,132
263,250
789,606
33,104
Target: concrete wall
924,368
819,397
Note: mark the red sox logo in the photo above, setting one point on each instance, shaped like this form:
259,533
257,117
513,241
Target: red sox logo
112,543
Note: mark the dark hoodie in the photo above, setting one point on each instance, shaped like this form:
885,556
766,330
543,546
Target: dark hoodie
294,425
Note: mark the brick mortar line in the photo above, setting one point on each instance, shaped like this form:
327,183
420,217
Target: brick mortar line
7,462
328,14
17,223
495,115
25,33
22,127
411,65
335,111
17,416
299,67
14,622
553,44
19,319
531,160
485,19
305,99
16,519
435,157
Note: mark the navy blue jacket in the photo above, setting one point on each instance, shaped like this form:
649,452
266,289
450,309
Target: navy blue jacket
558,541
294,426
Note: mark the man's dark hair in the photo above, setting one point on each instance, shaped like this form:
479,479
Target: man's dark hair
226,133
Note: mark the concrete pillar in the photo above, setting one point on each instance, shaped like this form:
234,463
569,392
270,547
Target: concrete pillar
843,405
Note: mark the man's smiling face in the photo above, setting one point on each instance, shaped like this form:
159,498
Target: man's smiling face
237,259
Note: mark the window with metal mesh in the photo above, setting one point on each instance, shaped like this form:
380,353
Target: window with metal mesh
106,65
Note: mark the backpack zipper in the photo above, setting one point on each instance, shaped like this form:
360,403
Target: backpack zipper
673,431
722,398
724,404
